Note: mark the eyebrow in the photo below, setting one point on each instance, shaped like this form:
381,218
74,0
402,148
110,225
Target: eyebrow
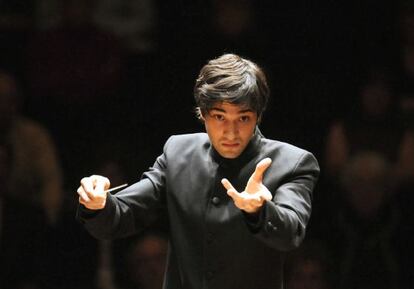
241,111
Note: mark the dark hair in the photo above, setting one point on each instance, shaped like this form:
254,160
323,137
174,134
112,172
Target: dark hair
231,78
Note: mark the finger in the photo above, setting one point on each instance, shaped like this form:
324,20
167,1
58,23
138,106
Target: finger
81,201
82,195
88,205
261,167
226,183
232,193
100,184
95,184
87,185
106,182
266,197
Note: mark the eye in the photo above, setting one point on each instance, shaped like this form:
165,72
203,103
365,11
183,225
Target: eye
244,118
219,117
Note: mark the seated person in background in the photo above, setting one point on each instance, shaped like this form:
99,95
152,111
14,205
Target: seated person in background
373,125
146,258
365,231
309,267
31,191
34,171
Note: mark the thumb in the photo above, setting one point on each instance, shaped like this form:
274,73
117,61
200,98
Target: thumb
261,167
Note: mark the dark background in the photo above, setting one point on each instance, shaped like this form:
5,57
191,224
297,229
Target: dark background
315,54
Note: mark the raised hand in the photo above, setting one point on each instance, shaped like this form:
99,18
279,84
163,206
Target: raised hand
255,193
92,192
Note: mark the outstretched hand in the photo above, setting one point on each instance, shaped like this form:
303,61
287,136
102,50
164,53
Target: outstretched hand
255,193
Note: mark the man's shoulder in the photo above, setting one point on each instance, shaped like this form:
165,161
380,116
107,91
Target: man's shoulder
289,157
184,147
187,142
283,147
189,136
193,138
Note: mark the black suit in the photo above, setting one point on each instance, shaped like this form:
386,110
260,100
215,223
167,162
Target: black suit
213,244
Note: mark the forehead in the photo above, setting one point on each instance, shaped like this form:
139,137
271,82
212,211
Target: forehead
227,107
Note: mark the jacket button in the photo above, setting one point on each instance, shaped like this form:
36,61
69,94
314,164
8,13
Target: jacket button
215,200
270,227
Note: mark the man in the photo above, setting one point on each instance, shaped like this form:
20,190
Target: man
236,201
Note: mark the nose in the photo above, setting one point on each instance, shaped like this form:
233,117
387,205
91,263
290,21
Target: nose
232,130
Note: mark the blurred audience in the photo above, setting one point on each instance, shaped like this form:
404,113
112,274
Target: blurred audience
133,22
145,259
309,267
405,29
34,173
226,26
75,62
31,190
111,167
135,262
73,74
74,65
16,21
364,233
79,254
234,27
374,124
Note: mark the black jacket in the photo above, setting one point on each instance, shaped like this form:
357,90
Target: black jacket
213,244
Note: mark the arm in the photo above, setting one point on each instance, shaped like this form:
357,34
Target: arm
284,219
281,221
109,216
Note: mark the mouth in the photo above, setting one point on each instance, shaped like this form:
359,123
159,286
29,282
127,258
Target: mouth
230,145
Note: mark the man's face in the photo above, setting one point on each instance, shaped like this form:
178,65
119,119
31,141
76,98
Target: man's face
230,128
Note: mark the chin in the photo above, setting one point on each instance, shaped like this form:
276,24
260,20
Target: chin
230,155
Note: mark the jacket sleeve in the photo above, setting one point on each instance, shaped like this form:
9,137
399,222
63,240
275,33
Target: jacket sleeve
130,210
282,222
